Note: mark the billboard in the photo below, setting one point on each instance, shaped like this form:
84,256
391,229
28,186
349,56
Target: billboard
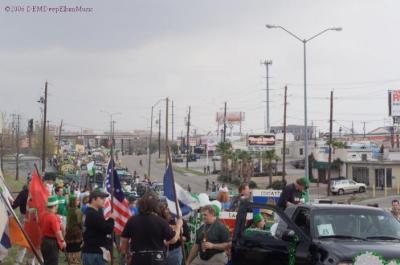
261,140
231,117
394,103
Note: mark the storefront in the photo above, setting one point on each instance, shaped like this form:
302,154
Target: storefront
378,173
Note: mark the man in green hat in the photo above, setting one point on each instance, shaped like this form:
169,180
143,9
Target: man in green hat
258,221
292,193
50,226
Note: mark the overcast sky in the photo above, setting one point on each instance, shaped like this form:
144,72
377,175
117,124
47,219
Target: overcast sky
126,55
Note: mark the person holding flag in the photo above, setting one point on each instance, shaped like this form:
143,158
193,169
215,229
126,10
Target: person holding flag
53,239
96,230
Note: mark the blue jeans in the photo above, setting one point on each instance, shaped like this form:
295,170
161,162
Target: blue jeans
92,259
175,257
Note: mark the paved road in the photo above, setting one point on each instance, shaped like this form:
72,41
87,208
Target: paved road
197,183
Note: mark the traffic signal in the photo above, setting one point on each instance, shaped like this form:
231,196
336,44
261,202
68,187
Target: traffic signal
30,126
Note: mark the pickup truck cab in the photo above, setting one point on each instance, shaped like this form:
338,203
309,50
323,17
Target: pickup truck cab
316,234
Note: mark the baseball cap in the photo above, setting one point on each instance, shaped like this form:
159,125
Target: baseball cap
97,193
304,182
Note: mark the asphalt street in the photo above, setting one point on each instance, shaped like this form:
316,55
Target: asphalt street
196,181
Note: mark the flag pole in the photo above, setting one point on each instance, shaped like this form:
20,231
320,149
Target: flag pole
112,190
34,250
176,199
38,257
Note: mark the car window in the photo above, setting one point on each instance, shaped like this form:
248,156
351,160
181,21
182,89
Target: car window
356,223
262,227
302,220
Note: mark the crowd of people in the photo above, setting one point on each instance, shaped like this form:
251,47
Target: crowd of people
74,224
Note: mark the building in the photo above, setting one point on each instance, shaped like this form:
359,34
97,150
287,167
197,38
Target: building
297,131
362,162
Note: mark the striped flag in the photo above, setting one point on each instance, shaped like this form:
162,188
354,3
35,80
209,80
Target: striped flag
121,211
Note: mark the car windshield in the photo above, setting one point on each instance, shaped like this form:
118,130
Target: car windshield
356,223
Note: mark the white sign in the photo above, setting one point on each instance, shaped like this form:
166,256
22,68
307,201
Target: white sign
266,193
325,230
232,215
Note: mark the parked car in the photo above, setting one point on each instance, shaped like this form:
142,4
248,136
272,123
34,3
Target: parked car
323,234
299,164
177,158
347,186
193,157
216,158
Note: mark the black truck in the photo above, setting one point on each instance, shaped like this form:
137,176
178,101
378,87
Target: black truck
319,234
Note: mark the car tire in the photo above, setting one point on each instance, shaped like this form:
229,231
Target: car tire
361,190
340,192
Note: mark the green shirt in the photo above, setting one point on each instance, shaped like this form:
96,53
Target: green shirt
215,233
62,206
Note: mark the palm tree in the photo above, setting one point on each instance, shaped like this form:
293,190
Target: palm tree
235,159
269,156
247,166
225,149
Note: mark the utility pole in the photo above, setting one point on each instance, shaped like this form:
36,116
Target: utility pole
240,124
59,138
149,146
159,134
173,117
352,130
392,136
224,137
166,130
328,191
284,139
187,140
267,64
44,129
364,129
17,148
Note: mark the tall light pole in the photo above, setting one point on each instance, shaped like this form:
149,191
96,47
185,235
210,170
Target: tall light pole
267,64
304,41
150,137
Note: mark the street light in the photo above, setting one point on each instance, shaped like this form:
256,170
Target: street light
150,138
304,41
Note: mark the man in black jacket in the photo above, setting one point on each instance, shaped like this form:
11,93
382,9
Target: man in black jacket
96,230
21,200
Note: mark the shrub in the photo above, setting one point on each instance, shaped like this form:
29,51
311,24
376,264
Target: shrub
223,178
236,181
252,185
277,185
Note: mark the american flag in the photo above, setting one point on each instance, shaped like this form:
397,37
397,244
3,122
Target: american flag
121,211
